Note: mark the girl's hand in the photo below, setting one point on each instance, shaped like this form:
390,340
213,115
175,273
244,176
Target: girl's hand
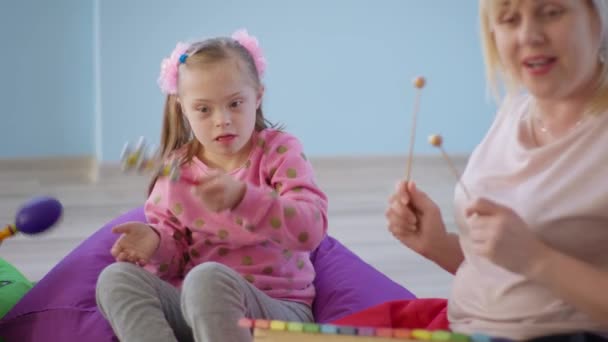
137,243
219,191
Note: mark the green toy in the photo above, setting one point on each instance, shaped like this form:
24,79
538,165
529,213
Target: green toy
13,286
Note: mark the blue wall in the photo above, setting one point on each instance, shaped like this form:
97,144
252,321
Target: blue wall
46,92
339,72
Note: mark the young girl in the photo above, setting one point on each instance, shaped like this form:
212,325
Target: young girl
531,257
231,238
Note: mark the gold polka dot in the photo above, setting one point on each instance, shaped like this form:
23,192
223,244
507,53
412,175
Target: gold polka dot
178,209
250,278
156,199
300,264
275,222
297,189
261,143
239,221
199,223
303,237
287,254
195,253
163,268
281,149
222,234
291,173
247,260
289,212
268,270
223,251
278,186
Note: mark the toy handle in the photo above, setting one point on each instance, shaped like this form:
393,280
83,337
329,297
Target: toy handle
8,231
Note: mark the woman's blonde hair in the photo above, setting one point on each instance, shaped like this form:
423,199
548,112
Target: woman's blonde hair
498,79
176,133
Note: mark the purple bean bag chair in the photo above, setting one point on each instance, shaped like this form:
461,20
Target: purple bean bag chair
61,307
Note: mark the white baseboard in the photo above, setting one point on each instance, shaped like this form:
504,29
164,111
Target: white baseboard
87,168
77,167
363,161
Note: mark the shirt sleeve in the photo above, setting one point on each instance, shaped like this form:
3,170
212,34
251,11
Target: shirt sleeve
294,212
171,259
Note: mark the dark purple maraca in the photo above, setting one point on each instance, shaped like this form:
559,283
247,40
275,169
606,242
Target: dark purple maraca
35,216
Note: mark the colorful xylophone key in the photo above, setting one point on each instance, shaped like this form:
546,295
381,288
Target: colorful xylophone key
276,331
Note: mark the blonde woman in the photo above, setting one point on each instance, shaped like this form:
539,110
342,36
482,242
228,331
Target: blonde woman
531,256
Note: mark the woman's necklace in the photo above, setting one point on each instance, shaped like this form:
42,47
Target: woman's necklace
536,120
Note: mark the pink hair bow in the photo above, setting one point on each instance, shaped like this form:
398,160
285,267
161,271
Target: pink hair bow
167,81
251,44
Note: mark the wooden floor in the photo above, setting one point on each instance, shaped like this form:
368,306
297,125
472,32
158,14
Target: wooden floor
358,189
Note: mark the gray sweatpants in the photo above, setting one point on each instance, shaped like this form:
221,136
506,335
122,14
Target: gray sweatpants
142,307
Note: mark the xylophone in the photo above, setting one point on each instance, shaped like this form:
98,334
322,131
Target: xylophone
280,331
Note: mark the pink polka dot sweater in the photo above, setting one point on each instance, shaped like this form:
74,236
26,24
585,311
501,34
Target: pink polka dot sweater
267,238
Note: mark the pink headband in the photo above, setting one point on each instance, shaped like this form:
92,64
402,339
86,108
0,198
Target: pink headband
167,81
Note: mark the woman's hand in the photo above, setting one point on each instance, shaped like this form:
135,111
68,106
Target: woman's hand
500,235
